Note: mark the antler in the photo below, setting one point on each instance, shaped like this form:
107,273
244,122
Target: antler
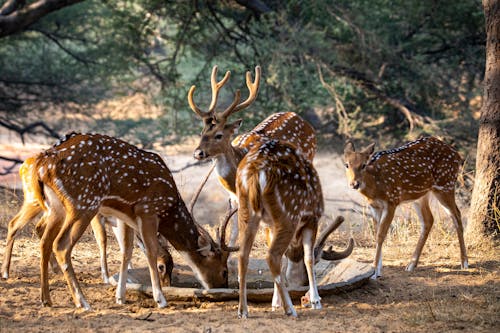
222,233
216,86
253,88
331,254
198,190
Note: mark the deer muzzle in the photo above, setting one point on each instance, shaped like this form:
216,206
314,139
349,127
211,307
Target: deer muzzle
199,154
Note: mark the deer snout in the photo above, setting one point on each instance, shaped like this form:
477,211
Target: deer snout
199,154
355,184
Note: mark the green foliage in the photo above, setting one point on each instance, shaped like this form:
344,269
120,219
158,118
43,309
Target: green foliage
426,55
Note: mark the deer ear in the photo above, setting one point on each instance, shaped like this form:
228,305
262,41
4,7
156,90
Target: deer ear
349,147
235,126
205,248
370,149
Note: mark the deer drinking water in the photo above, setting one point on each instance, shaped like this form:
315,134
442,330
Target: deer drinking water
31,209
408,173
90,173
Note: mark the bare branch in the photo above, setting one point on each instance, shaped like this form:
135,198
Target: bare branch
29,129
9,169
16,16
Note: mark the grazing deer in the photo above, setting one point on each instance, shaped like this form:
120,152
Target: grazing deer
217,143
411,172
88,174
31,209
276,184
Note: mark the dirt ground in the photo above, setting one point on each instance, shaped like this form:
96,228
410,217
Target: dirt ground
437,297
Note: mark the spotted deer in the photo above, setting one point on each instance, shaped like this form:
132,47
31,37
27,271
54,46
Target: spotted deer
408,173
31,209
88,174
218,144
276,184
217,134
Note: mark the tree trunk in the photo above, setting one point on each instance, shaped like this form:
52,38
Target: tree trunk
484,219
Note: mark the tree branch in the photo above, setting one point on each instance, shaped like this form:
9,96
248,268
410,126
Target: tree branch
29,129
16,16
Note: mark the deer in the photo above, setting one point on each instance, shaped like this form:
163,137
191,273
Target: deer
217,134
31,209
411,172
276,184
217,143
86,174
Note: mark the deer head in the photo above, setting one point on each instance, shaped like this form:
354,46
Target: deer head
217,133
356,163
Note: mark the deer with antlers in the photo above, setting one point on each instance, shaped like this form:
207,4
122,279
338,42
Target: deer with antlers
88,174
217,143
409,173
31,209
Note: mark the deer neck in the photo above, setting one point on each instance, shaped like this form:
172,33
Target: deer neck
374,188
179,228
226,166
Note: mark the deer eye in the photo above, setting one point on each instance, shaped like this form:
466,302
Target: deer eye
346,165
218,136
363,166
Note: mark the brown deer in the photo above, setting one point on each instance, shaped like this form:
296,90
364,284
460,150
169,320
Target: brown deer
31,209
408,173
276,184
217,135
217,143
88,174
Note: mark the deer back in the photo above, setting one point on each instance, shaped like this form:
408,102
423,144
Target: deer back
285,127
404,173
277,179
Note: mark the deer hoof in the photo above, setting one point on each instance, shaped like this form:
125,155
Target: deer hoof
410,267
291,312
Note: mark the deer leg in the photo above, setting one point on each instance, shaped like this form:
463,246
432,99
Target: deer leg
276,302
52,222
447,199
117,226
279,244
234,228
308,240
426,220
40,229
27,213
247,229
126,236
68,236
148,227
99,230
386,217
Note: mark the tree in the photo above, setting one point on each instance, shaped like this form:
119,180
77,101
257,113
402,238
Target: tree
485,205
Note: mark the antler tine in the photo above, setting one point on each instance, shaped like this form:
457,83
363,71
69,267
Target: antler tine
222,233
216,87
332,226
334,255
253,88
330,254
193,106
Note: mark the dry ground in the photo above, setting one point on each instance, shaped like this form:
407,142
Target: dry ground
438,296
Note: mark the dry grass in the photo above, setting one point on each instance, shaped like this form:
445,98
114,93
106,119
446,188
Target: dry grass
438,296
